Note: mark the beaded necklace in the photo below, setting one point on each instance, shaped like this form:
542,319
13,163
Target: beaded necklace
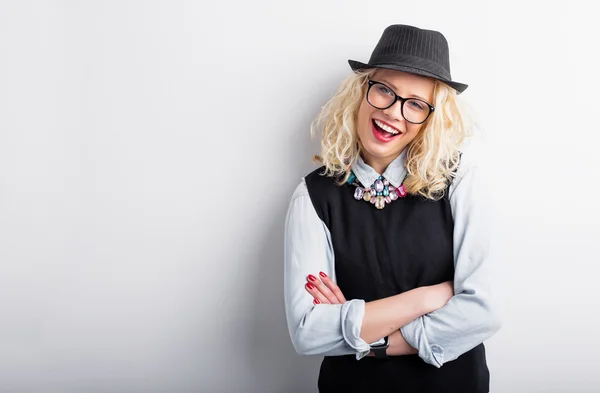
380,193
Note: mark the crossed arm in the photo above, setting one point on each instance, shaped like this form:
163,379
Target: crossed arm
325,291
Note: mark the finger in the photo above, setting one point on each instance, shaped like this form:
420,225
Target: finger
316,294
323,289
333,287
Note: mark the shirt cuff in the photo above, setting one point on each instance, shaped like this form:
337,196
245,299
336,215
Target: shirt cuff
414,334
353,312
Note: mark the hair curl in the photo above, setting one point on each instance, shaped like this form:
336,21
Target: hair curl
433,155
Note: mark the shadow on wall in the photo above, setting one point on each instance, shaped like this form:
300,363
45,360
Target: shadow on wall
270,353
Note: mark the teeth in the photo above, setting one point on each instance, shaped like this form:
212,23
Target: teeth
387,128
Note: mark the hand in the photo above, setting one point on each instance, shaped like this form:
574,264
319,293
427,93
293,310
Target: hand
324,290
440,294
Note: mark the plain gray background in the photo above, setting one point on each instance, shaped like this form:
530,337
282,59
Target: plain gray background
148,151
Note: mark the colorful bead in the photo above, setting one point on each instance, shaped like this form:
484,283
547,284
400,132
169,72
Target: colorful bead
388,199
373,200
401,191
378,185
393,195
386,183
358,193
351,178
386,192
367,196
380,203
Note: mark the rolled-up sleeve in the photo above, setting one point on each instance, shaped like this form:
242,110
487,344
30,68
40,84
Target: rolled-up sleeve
323,329
469,318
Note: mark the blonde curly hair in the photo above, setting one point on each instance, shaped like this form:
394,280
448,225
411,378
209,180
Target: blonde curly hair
432,156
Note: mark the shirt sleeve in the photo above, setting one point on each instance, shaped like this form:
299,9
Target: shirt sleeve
322,329
468,318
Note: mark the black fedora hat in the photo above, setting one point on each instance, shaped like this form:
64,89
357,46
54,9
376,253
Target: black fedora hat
411,49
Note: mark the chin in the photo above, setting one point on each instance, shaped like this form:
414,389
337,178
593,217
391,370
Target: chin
376,150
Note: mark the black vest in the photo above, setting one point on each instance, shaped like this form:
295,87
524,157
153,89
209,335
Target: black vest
381,253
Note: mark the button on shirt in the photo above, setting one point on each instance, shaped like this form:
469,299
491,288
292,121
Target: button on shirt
441,336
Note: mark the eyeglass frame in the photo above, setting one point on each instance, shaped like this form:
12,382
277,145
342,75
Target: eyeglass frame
398,98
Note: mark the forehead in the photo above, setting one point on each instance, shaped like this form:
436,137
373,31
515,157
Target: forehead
406,84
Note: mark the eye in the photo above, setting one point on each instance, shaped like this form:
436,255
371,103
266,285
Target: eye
417,105
384,90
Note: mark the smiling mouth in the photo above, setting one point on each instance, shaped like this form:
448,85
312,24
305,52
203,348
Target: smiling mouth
384,134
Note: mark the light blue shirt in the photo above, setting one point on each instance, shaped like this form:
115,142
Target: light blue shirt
467,320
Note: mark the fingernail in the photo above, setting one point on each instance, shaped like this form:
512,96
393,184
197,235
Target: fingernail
312,278
310,286
317,301
323,274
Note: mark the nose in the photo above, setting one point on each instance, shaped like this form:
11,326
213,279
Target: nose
395,111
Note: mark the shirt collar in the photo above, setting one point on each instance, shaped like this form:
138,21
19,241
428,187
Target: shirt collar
394,173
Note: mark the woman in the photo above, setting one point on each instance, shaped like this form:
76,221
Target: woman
386,245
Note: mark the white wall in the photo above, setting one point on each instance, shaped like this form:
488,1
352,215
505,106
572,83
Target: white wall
148,151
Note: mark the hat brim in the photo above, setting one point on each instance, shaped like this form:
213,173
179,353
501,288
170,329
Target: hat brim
357,66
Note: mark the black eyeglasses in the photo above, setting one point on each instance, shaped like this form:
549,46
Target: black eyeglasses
382,97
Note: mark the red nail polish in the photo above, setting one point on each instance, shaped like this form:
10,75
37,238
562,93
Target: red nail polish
312,278
310,286
317,301
323,274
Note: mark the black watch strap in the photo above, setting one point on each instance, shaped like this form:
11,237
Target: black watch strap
380,351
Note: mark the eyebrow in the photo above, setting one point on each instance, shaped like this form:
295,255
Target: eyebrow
395,88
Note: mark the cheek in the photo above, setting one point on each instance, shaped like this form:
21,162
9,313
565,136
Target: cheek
414,129
364,117
411,134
